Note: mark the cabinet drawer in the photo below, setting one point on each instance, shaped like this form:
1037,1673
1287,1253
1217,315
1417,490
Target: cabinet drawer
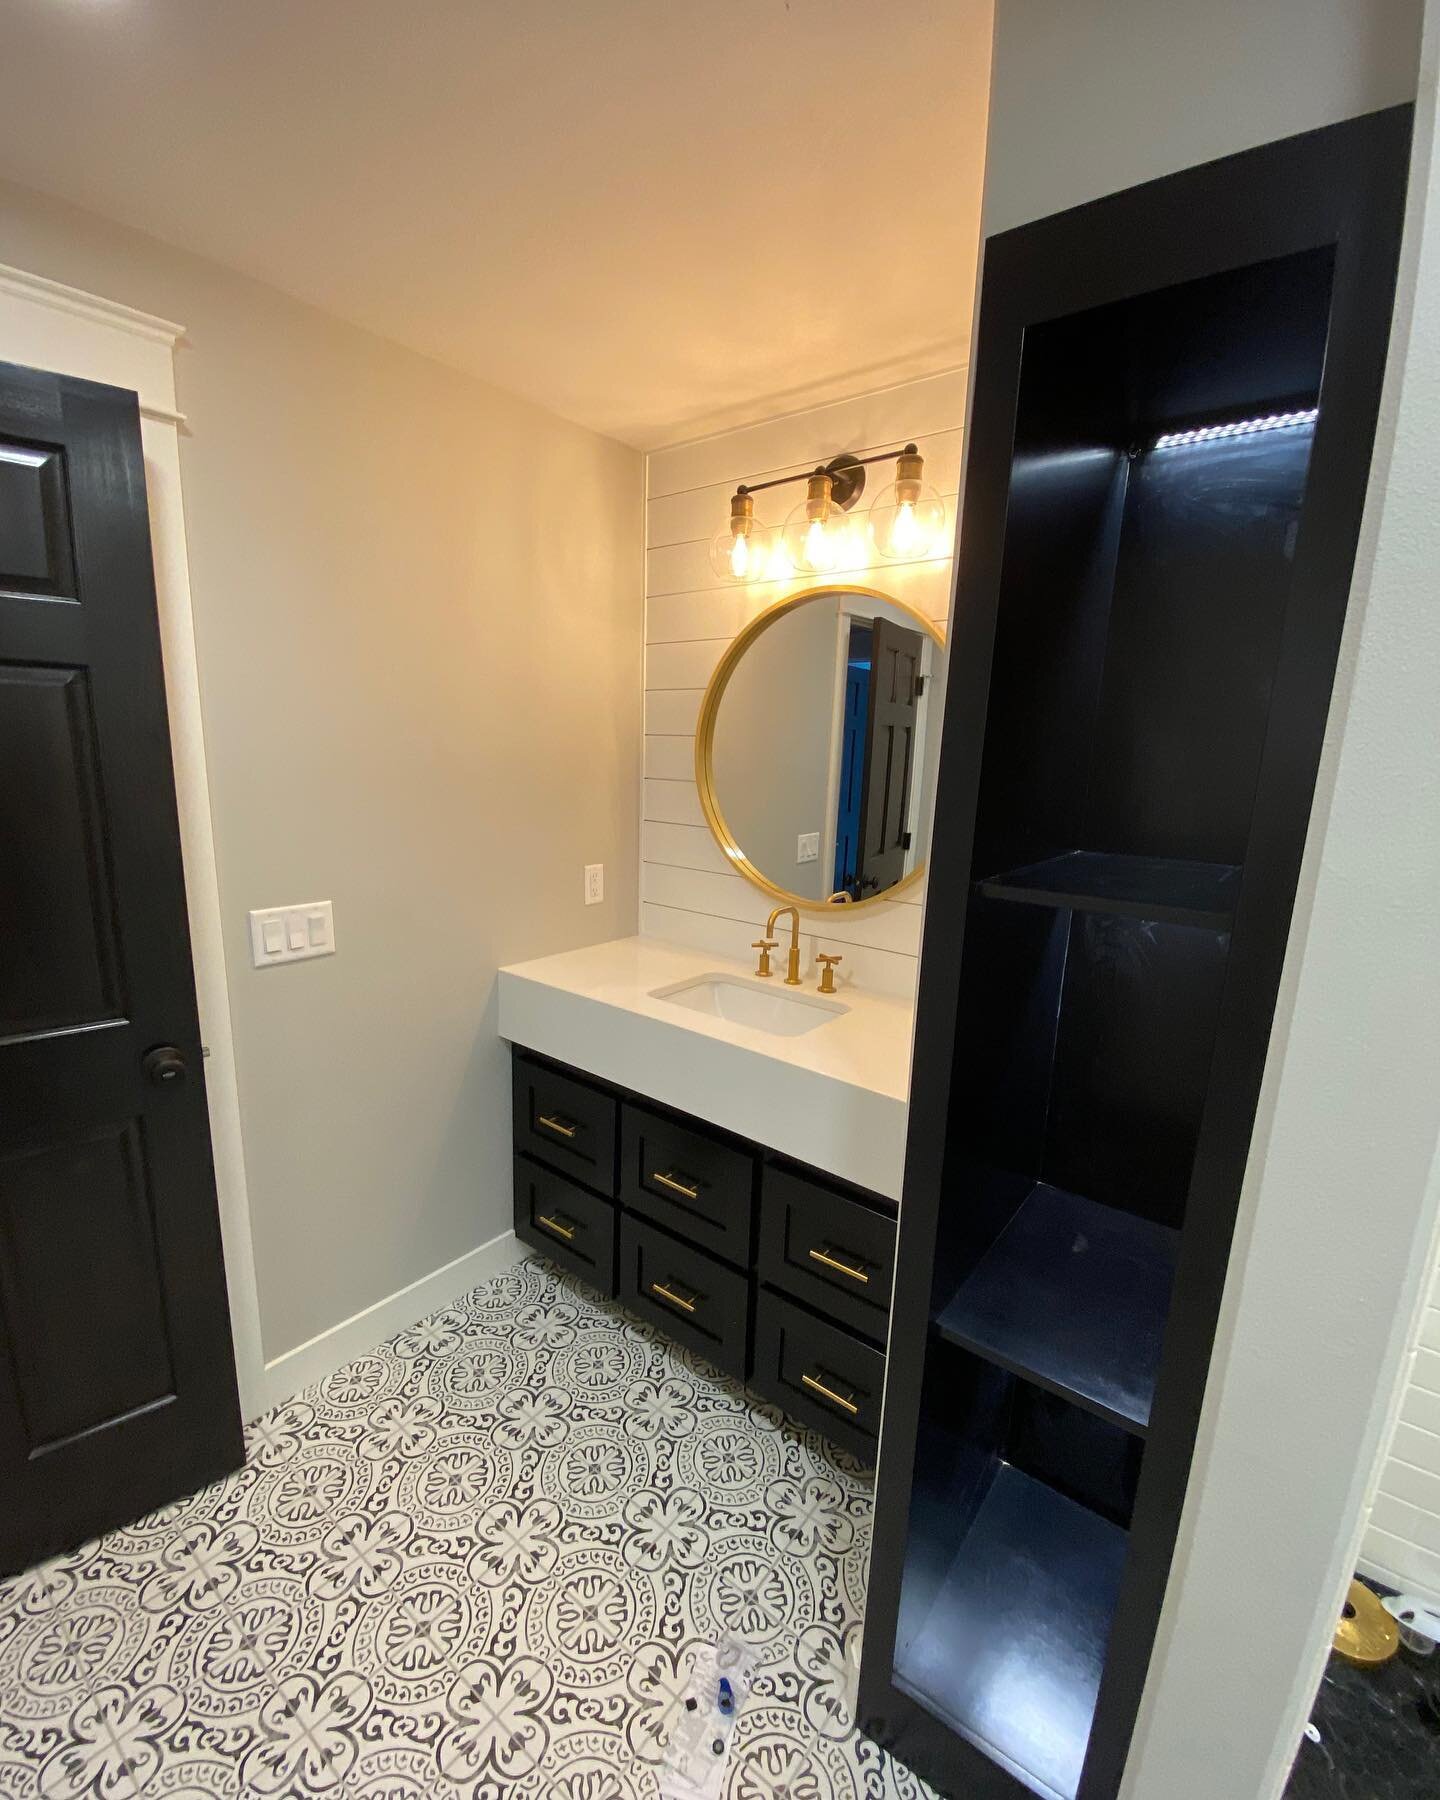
686,1293
573,1228
693,1184
566,1123
819,1373
833,1252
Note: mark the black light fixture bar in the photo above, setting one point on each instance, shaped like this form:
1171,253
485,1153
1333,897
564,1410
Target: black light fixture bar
846,472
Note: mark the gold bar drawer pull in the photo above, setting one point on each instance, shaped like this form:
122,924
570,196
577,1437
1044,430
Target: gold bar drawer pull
561,1127
557,1226
665,1293
676,1186
817,1386
828,1257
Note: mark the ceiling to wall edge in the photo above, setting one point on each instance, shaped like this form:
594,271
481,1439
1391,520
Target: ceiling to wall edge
694,428
762,409
766,471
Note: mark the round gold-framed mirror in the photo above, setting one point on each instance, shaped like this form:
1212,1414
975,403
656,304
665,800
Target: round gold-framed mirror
816,747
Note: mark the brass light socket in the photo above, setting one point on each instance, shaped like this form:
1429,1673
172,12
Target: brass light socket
742,514
909,473
818,496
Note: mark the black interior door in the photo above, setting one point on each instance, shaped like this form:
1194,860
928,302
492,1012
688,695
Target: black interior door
889,757
117,1378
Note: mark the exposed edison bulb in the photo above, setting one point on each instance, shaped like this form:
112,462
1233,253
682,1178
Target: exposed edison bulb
908,520
817,533
740,550
905,532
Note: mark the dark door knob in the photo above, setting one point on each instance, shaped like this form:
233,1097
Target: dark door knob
164,1064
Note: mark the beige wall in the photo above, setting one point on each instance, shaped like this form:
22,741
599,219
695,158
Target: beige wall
419,632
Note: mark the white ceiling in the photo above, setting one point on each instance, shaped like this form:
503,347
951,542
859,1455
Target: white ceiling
656,217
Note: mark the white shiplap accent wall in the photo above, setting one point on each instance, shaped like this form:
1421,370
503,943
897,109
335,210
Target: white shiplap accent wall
687,891
1402,1541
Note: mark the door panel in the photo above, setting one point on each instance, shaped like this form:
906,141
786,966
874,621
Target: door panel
117,1380
80,1284
34,527
59,954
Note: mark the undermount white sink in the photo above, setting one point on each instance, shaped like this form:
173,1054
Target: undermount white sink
778,1010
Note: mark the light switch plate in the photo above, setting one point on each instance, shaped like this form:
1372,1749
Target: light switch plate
286,934
594,883
807,847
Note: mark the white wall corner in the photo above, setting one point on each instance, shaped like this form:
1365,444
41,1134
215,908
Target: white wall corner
300,1368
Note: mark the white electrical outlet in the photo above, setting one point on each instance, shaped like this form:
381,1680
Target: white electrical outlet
807,847
285,934
594,883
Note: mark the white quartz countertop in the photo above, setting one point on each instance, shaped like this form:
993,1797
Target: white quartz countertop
835,1097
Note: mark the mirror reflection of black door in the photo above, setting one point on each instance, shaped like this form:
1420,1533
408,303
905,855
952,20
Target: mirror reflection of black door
117,1377
895,676
851,783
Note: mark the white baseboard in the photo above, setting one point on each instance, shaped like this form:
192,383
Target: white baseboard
1402,1584
307,1363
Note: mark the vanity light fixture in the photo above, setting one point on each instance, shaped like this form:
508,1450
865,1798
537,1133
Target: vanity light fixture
824,535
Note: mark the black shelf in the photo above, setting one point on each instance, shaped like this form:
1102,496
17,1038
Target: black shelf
1072,1296
1165,889
1010,1653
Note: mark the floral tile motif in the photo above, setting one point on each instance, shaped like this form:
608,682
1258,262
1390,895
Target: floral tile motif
475,1563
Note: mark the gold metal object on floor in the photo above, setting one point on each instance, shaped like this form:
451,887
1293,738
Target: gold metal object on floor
1366,1634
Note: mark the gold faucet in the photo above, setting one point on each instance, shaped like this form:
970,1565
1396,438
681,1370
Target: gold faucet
792,965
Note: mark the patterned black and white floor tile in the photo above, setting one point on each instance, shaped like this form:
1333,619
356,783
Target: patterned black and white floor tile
476,1563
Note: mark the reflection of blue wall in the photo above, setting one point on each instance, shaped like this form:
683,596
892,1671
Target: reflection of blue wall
852,760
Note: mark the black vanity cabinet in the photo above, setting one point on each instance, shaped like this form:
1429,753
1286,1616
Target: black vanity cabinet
776,1273
1174,401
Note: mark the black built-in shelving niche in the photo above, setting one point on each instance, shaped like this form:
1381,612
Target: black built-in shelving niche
1072,1296
1165,889
1145,644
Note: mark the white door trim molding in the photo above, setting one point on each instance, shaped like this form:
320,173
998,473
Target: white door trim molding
110,313
49,326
